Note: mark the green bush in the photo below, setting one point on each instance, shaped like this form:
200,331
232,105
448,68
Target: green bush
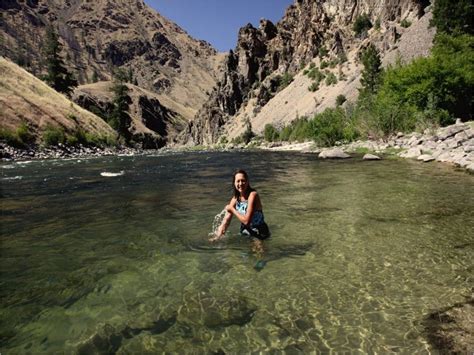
300,130
24,135
285,133
445,78
284,81
19,138
270,133
314,86
405,23
53,136
324,64
10,138
362,24
331,79
340,99
331,126
377,24
322,52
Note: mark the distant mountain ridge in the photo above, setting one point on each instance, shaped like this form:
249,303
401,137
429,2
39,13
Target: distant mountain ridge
102,35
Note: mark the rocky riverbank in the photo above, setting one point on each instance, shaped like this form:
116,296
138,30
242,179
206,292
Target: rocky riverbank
61,151
452,144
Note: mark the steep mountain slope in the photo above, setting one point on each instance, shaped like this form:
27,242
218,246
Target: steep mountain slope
100,36
27,100
311,31
152,124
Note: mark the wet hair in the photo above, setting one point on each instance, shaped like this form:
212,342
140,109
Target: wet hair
235,191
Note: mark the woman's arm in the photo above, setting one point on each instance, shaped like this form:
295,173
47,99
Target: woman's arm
252,202
227,219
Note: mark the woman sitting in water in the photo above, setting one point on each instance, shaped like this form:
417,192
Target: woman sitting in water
247,207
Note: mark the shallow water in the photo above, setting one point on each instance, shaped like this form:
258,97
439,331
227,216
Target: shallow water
360,253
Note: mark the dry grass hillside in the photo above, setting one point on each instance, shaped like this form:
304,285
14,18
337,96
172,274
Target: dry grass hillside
297,101
24,99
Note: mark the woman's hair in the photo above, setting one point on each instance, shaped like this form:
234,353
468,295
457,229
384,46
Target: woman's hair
236,192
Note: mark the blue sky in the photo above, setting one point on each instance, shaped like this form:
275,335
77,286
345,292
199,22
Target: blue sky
218,21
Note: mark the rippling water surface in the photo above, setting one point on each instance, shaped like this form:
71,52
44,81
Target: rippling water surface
360,253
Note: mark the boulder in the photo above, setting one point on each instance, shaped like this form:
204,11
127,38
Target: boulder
426,157
335,153
371,157
411,153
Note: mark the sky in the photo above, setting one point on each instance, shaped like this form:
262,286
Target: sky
218,21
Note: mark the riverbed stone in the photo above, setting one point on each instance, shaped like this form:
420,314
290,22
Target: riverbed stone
215,311
335,153
371,157
411,153
451,130
426,157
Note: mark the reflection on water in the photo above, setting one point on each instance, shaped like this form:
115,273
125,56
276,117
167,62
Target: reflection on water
360,253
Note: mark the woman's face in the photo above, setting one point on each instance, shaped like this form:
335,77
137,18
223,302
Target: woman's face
240,182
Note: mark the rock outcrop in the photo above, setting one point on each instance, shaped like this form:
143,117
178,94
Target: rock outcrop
309,29
152,124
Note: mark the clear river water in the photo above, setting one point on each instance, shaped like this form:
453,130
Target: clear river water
111,255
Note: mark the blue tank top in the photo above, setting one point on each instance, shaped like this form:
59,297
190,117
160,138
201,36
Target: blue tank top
257,218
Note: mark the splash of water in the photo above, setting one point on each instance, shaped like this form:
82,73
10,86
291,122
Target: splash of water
217,222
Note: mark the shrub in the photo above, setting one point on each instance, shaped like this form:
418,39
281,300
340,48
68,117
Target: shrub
377,24
362,24
10,138
340,99
285,133
324,64
284,80
405,23
53,136
300,130
322,52
24,135
331,126
270,133
314,87
18,138
331,79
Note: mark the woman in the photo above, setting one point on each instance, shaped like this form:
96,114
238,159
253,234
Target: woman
247,207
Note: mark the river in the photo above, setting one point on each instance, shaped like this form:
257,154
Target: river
112,255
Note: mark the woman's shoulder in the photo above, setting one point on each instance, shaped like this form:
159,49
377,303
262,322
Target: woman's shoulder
253,194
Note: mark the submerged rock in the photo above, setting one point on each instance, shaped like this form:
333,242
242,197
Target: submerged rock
451,330
206,309
335,153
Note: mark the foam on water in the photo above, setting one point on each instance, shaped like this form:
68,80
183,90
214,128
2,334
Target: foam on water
109,174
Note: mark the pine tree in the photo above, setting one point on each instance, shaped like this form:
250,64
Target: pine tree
119,118
371,75
58,77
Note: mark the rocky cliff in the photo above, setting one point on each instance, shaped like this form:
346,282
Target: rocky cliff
309,31
100,36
